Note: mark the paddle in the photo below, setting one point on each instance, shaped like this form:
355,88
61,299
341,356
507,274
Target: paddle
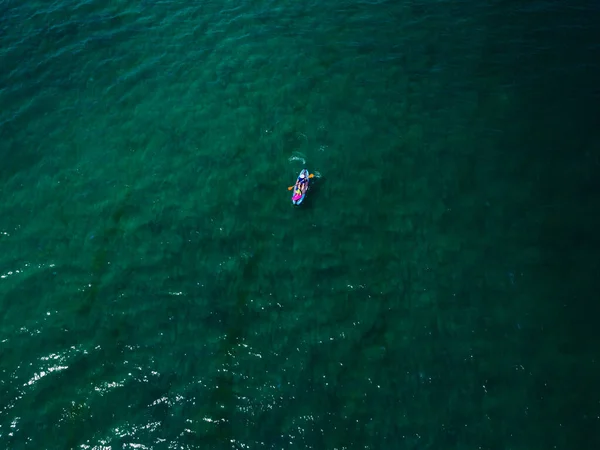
312,175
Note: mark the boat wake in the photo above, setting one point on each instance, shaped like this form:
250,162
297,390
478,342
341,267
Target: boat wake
297,156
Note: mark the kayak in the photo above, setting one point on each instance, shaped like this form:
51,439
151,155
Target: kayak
298,195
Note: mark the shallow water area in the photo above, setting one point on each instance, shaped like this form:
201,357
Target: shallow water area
159,290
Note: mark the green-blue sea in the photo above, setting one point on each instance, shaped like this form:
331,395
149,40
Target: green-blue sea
436,290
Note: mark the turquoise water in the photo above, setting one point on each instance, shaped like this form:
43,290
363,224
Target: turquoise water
436,289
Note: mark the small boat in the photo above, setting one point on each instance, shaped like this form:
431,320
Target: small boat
299,194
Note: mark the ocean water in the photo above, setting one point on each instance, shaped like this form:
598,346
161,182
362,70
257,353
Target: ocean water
436,290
